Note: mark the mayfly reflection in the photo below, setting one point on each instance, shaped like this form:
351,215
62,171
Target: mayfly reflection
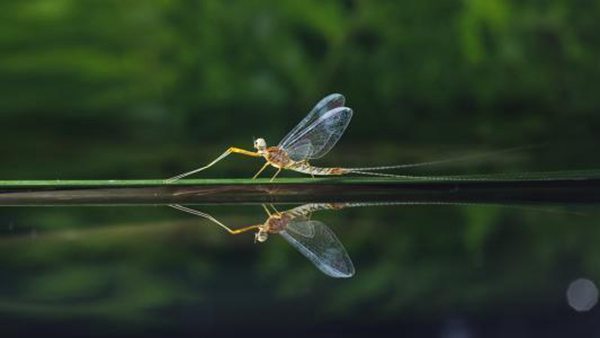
310,237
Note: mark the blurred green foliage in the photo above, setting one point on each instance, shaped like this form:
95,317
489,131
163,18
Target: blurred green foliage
189,71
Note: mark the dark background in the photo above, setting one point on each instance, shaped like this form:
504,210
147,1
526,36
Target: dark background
99,89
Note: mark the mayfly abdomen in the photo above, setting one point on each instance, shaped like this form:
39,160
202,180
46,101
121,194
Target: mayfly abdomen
306,168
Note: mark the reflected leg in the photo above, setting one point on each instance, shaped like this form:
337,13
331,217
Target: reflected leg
212,219
274,209
266,210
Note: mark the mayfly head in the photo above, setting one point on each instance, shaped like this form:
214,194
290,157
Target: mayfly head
260,144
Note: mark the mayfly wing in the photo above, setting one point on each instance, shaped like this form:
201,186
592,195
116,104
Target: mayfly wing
326,104
321,134
301,150
323,248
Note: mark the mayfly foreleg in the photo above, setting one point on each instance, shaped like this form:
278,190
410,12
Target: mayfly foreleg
228,152
212,219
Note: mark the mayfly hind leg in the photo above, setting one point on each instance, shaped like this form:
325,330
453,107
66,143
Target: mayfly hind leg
277,173
212,219
261,170
307,164
228,152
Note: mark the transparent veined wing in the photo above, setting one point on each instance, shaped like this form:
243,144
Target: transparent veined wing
326,104
320,245
301,150
302,227
322,135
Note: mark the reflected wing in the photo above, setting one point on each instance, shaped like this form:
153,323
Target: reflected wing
322,134
326,104
323,249
304,228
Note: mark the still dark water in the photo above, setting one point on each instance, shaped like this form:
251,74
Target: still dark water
439,270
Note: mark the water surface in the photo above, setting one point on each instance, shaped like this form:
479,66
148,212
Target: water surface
426,268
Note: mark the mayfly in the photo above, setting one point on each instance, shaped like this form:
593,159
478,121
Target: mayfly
314,137
310,139
311,238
